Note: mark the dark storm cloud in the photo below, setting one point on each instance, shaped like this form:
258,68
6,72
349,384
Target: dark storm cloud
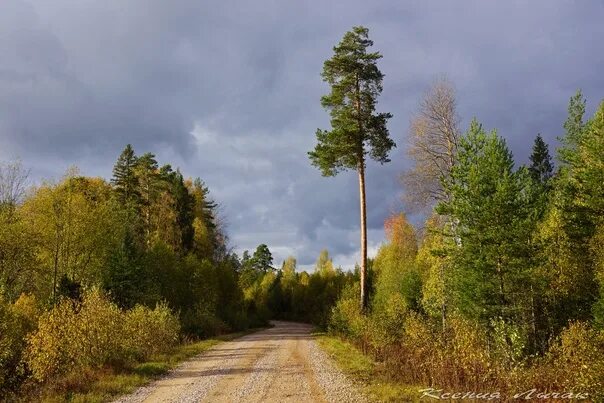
229,91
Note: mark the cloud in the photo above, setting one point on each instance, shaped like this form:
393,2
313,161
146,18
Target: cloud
230,91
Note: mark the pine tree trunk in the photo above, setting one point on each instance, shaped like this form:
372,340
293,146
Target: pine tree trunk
363,236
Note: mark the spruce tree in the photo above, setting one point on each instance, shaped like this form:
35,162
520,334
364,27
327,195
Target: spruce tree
541,168
124,178
357,131
124,277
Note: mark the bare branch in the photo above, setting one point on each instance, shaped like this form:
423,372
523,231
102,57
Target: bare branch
433,140
13,183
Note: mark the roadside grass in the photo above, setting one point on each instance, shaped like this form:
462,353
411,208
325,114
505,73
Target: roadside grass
365,371
102,385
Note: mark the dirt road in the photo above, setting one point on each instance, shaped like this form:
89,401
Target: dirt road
280,364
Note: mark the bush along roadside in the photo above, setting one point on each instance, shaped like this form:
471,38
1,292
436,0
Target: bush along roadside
87,348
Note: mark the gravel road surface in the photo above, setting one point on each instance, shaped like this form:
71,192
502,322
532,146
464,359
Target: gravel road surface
280,364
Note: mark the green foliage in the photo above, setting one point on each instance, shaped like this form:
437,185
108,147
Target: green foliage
505,269
150,239
124,178
355,82
509,343
18,263
395,269
76,224
124,277
262,260
489,207
597,249
541,168
346,318
206,240
434,265
573,127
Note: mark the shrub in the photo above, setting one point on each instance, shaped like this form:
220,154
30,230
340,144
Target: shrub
414,357
150,331
346,318
387,322
16,321
466,356
75,336
46,352
509,344
72,336
200,321
575,362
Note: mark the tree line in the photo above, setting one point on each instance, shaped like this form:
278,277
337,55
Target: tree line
96,272
503,285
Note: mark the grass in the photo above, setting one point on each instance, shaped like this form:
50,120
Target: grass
108,383
366,372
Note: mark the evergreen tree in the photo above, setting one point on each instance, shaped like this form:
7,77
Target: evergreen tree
541,168
185,204
124,178
573,127
541,172
587,168
206,240
262,260
586,178
357,130
124,277
566,235
148,187
487,202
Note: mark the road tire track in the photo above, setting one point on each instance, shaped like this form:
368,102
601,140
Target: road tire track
280,364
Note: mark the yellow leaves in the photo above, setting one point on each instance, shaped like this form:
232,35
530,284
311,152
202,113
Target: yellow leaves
401,235
558,263
73,336
202,237
578,360
150,331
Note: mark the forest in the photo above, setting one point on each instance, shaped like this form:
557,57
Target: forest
503,284
501,287
98,273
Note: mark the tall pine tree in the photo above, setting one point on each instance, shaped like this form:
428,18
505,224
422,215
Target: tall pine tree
262,260
358,132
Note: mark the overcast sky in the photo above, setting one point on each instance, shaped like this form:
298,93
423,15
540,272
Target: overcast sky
229,91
